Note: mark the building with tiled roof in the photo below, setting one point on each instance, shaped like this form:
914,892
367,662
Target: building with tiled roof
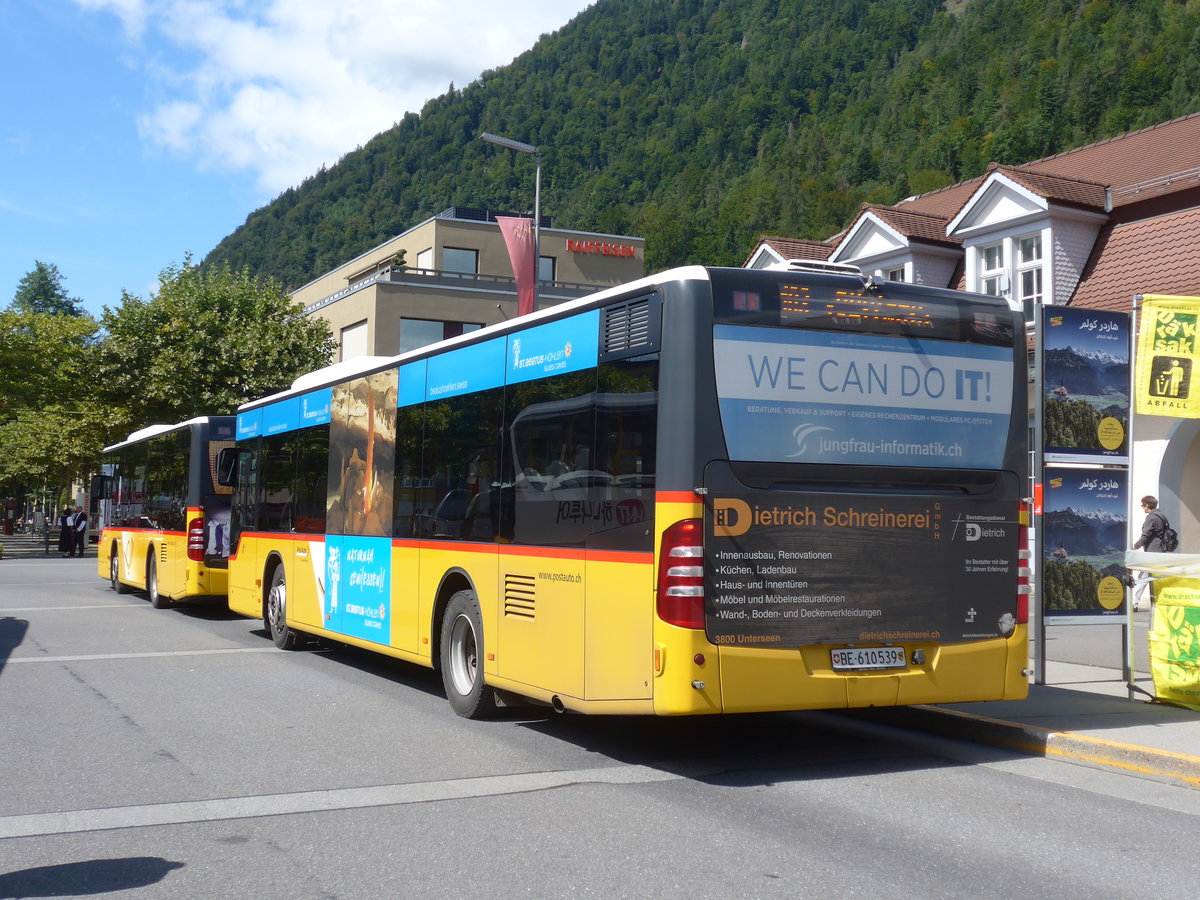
1096,227
771,250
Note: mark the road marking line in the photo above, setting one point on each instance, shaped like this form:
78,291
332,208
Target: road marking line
93,606
39,584
147,655
187,812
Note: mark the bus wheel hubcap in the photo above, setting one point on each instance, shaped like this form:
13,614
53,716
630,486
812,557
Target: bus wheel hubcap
275,601
464,660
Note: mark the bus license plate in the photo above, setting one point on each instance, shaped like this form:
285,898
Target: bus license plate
868,658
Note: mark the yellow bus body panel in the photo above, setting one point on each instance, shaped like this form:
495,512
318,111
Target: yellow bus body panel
406,600
245,579
619,626
179,578
541,621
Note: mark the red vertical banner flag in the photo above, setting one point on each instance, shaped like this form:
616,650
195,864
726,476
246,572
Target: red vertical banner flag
518,237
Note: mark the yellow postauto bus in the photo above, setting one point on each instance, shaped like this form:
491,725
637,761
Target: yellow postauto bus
164,520
708,491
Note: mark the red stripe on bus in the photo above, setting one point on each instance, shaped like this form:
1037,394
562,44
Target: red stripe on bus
676,497
282,536
145,531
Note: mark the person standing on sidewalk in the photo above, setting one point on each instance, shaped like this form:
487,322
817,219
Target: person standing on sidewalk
1153,528
66,532
81,524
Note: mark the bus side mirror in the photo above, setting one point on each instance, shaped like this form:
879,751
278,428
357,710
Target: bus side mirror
101,487
227,466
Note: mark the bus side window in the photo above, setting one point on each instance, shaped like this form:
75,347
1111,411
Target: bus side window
460,457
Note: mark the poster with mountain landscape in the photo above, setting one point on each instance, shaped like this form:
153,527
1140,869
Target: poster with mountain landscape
1085,533
1085,378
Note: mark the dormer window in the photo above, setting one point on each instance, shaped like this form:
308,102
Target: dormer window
1029,274
991,270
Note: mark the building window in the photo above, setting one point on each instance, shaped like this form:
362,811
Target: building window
991,270
354,341
895,274
415,333
425,259
546,268
464,262
1029,274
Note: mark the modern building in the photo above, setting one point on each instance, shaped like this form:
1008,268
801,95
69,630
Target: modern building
451,274
1092,227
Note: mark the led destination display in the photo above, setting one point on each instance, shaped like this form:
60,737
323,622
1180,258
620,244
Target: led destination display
810,568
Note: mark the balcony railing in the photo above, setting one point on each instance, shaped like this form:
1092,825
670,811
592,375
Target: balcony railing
559,290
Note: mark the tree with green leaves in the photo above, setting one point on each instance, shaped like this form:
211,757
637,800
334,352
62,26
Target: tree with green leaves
42,291
206,341
50,426
210,339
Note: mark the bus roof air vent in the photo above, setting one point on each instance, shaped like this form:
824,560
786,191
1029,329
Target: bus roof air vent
629,328
824,267
816,265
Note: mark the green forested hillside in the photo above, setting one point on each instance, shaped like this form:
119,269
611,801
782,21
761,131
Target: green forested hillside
702,124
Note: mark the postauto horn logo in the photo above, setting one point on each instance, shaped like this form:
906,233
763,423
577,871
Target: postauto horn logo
731,517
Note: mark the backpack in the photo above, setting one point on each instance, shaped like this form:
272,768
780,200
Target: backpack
1169,538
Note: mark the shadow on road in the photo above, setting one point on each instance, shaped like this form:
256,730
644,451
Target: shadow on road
93,876
12,633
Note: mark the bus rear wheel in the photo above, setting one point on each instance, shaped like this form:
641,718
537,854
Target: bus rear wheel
114,572
157,600
462,658
276,613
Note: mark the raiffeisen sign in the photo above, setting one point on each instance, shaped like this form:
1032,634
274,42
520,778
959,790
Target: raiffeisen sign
602,247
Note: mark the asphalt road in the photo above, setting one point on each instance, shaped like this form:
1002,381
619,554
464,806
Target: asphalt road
177,754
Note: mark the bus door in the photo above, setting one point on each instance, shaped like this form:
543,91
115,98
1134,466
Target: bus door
239,469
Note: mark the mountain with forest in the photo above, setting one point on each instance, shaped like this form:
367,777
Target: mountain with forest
703,124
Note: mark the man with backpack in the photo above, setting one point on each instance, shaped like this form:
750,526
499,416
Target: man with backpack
1157,537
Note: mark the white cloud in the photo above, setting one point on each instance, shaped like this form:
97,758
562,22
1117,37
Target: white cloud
280,87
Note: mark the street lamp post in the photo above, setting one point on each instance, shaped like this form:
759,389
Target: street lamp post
537,194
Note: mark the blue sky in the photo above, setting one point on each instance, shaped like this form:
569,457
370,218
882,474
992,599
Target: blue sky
133,132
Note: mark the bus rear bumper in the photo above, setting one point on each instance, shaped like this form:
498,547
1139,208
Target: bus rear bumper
759,680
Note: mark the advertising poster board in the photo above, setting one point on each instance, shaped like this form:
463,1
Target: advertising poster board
1085,399
796,568
1167,357
1084,538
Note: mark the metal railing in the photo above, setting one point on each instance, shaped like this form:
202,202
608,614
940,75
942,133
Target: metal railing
410,274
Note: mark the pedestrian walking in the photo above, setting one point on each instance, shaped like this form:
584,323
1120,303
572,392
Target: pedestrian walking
1154,528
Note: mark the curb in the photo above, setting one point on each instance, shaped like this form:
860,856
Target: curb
1063,745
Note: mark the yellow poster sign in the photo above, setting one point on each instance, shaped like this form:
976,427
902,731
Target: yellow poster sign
1175,642
1167,371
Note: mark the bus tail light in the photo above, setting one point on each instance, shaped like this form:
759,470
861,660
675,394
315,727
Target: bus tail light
195,540
681,575
1023,564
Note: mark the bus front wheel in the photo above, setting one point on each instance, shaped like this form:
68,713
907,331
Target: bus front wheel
462,658
276,618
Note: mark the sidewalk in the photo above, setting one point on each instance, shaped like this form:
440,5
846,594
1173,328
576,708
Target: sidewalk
27,546
1082,714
